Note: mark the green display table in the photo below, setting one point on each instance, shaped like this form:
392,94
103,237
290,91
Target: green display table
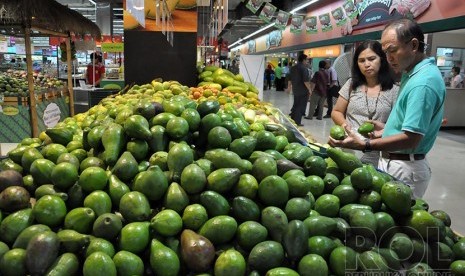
119,82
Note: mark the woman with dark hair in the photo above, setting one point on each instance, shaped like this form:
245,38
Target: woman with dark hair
268,72
457,80
369,95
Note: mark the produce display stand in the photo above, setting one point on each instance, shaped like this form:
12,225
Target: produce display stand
28,18
86,98
236,195
15,120
106,81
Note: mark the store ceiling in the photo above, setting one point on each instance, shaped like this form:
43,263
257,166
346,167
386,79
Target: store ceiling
88,9
241,21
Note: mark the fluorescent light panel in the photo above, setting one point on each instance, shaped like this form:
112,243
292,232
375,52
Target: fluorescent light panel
303,6
259,31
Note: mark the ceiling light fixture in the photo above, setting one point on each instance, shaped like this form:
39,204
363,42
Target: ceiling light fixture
298,8
293,11
235,43
252,34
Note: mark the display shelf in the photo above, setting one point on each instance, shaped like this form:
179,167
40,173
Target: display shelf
87,98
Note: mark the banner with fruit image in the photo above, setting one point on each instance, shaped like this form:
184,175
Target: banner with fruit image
350,9
310,25
282,19
254,5
267,12
183,16
339,16
296,23
325,22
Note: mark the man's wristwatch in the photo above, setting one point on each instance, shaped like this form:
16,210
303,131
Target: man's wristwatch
367,146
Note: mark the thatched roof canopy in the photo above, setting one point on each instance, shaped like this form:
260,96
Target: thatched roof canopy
46,14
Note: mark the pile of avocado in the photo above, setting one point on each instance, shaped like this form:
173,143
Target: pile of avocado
12,87
152,182
13,84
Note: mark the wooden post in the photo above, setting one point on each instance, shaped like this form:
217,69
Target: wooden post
70,71
30,81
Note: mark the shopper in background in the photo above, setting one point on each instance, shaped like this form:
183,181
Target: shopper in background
95,70
278,78
457,80
332,84
319,85
234,68
285,74
414,122
23,64
268,72
299,83
309,68
369,95
12,63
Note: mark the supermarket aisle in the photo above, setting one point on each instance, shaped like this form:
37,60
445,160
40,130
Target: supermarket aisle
446,190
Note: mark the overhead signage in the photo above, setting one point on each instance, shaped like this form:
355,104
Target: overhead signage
3,44
113,47
254,5
376,12
296,23
282,19
327,51
267,12
20,49
40,41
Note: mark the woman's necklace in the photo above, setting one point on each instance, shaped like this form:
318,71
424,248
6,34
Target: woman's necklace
371,113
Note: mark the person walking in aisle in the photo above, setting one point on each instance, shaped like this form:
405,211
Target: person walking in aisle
332,84
299,83
414,122
285,74
278,80
369,95
268,72
319,85
233,67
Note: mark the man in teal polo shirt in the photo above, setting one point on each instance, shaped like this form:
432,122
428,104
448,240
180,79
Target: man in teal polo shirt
414,122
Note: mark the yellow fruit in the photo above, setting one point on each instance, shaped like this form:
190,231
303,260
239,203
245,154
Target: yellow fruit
129,21
186,4
43,136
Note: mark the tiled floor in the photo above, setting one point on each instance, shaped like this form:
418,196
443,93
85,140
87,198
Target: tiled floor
447,160
446,190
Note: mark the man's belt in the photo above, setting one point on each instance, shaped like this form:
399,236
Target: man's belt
403,156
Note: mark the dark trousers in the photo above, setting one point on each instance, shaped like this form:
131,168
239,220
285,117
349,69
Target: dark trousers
329,101
268,83
279,84
298,108
333,92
